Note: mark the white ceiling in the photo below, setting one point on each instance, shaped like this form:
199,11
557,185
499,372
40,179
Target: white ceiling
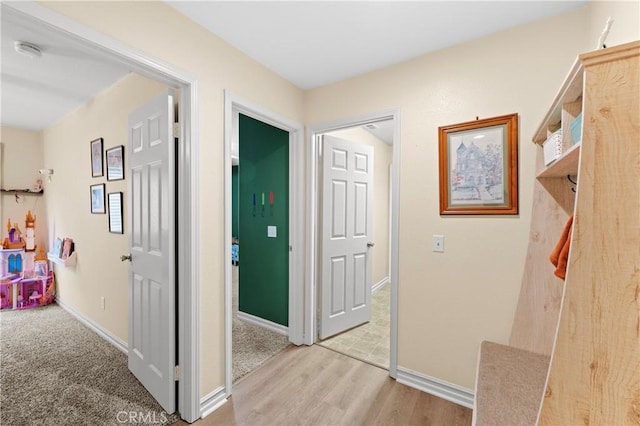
314,43
310,43
37,92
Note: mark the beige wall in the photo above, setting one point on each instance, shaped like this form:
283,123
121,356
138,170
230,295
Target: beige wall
382,156
21,160
160,31
449,302
99,271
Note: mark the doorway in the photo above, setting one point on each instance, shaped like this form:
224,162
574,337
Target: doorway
369,341
187,174
260,245
258,205
314,284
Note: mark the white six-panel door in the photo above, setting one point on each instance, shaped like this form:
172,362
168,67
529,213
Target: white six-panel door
347,191
151,218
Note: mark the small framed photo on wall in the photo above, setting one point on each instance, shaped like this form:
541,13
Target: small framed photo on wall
115,163
115,213
97,199
96,158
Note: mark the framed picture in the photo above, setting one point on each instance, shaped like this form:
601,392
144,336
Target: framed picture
97,198
479,167
115,213
96,158
115,163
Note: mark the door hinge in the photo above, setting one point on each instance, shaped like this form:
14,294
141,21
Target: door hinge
176,130
176,373
290,248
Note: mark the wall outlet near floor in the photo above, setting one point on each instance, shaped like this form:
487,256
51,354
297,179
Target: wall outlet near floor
102,303
438,243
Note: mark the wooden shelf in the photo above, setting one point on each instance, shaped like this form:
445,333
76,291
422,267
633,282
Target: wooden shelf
568,94
69,261
509,385
23,191
567,164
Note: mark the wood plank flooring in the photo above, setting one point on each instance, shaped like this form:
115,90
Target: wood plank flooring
316,386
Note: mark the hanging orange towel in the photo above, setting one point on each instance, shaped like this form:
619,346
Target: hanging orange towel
560,254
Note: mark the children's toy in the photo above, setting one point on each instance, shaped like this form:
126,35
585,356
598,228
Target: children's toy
25,278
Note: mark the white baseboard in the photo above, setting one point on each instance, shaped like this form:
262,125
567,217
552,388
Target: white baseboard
261,322
212,401
377,286
440,388
102,332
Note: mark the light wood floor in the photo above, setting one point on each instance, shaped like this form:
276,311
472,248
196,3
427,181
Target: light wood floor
316,386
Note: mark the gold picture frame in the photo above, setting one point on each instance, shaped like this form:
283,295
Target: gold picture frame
478,167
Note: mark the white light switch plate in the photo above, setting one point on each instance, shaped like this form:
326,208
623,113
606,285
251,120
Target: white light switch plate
438,243
272,231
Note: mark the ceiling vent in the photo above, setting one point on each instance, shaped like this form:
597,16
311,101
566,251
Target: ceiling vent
27,49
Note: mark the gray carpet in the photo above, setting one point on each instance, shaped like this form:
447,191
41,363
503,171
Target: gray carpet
56,371
251,345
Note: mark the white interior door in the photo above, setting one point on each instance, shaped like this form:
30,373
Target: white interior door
152,313
347,192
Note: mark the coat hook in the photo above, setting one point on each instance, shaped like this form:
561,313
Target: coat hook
477,118
575,182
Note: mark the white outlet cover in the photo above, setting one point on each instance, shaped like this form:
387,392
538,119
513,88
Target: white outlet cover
272,231
438,243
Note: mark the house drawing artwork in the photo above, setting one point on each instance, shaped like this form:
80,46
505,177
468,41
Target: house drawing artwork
477,173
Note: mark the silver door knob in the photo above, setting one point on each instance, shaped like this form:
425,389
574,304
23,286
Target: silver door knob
124,257
370,244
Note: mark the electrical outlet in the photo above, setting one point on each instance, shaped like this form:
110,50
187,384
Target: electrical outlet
438,243
102,303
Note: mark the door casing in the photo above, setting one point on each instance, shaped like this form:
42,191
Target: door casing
235,105
188,259
313,237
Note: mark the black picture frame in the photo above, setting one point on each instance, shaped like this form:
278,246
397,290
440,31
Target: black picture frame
97,198
97,158
115,163
115,213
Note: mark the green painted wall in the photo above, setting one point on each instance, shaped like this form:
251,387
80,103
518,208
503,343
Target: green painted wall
264,262
235,218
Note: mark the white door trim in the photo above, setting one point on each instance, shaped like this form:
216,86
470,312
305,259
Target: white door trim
188,185
233,106
310,303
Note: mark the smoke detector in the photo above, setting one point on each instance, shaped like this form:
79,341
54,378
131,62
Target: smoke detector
27,49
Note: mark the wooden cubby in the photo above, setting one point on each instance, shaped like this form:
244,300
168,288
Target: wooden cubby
582,335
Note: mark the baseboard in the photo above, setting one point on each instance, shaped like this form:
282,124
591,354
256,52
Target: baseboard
440,388
212,401
377,286
102,332
261,322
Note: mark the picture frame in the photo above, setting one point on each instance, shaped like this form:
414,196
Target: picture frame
97,198
478,167
115,163
97,159
115,213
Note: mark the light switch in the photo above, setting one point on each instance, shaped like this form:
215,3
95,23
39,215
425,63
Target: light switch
438,243
272,231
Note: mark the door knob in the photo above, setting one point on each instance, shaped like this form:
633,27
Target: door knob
370,244
124,257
